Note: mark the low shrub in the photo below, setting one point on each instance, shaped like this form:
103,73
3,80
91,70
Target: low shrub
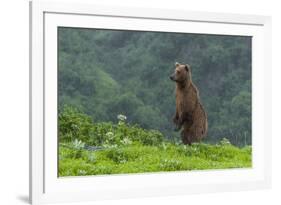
73,124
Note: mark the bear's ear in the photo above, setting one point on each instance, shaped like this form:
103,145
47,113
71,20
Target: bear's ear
187,67
177,64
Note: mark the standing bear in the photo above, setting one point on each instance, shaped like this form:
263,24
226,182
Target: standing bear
190,113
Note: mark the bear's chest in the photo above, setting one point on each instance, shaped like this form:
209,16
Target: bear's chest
185,100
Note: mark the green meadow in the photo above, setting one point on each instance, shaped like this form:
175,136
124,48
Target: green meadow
88,148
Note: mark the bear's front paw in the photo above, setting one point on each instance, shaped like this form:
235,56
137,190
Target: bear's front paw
177,128
176,120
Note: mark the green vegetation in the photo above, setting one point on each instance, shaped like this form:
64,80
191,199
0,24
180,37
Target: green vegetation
139,159
106,72
88,148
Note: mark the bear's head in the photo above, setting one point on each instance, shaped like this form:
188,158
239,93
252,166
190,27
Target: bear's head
182,74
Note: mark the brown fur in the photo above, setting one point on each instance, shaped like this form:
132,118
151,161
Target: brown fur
190,113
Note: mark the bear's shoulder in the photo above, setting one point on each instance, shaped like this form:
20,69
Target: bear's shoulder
193,89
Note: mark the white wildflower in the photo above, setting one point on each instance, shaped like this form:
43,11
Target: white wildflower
121,117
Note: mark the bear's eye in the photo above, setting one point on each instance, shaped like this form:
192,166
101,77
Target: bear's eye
177,71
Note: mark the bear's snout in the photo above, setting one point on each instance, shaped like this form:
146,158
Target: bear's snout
172,77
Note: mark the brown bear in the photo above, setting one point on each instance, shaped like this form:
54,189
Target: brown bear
190,113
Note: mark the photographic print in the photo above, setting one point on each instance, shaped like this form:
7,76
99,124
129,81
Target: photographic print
143,101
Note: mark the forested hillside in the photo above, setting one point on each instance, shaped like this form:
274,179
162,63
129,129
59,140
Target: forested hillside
105,73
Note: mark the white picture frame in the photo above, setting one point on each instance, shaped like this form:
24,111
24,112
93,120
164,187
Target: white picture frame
46,187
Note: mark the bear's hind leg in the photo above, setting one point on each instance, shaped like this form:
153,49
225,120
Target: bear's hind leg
186,139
